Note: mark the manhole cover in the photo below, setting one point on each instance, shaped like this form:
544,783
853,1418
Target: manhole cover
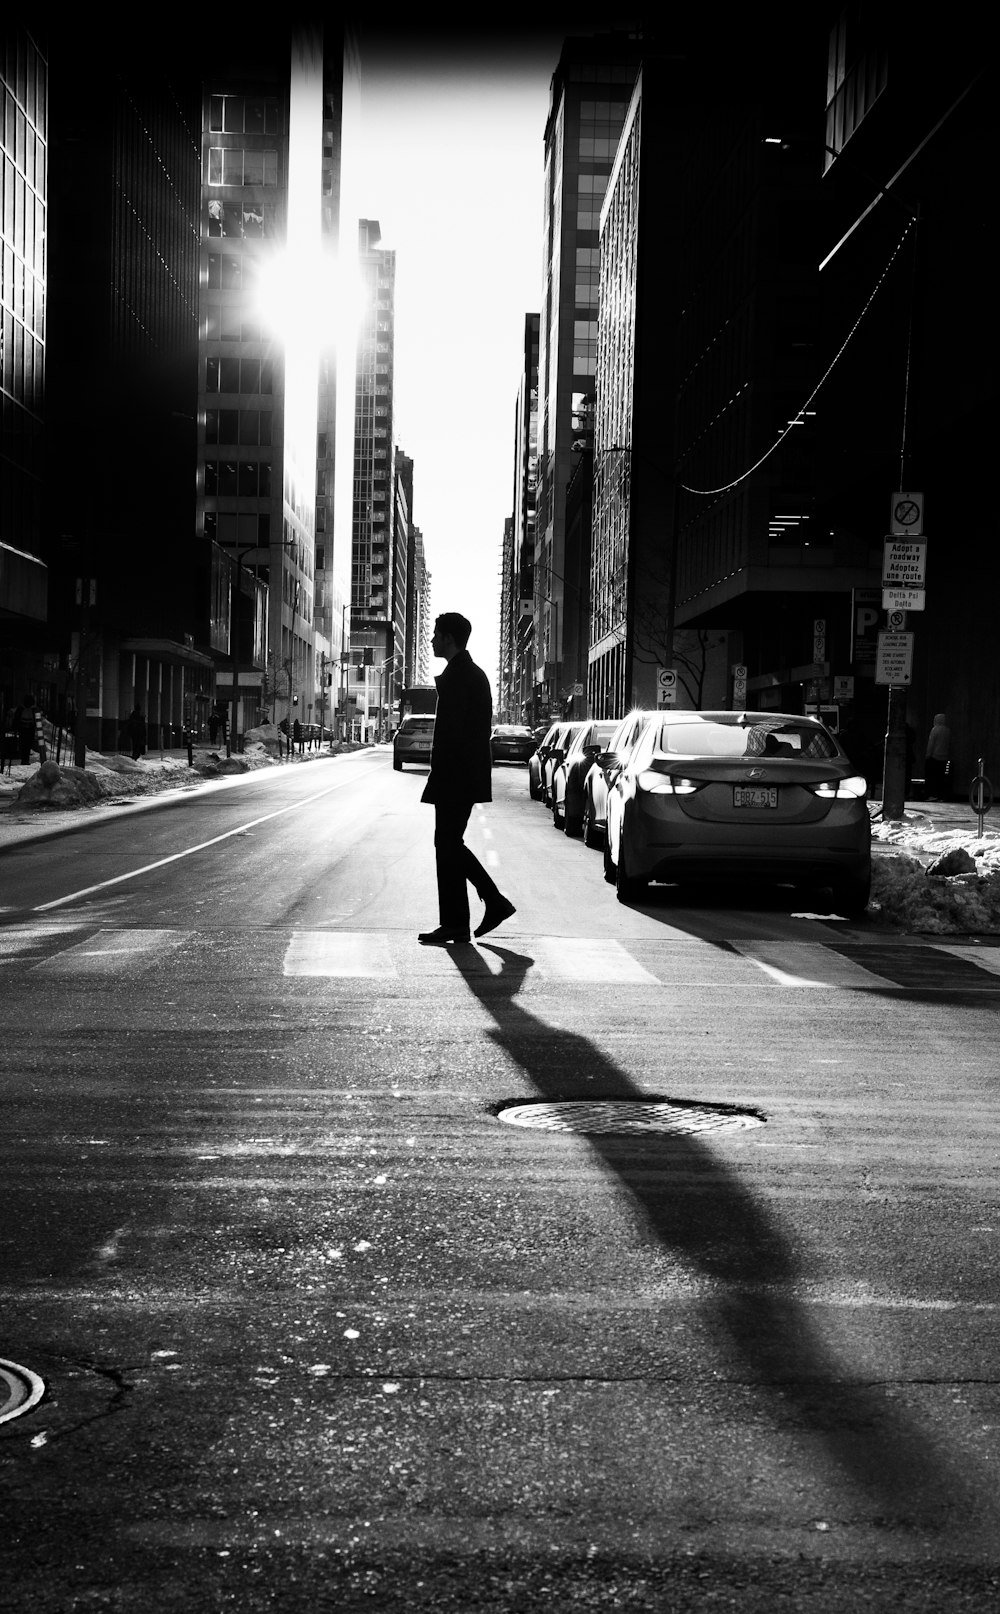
20,1390
628,1116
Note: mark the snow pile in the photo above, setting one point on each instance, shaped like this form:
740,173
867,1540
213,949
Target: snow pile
940,882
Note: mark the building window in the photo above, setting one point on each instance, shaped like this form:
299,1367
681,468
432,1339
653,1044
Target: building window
857,73
230,165
246,221
239,114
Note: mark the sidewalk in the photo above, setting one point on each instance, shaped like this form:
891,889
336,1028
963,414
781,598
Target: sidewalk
127,787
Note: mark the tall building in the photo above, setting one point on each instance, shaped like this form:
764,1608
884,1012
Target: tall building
419,626
590,94
335,435
373,563
130,604
903,244
709,309
270,145
515,683
23,299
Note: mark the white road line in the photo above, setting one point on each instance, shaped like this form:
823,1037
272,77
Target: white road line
786,963
338,952
174,857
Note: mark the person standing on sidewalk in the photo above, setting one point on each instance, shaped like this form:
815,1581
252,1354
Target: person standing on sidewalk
936,758
460,776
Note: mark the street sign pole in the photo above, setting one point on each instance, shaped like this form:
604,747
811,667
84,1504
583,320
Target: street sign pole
903,573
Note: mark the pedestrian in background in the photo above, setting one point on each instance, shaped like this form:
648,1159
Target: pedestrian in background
460,776
136,730
25,723
936,758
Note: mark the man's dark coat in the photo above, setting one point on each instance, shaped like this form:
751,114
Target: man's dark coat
461,764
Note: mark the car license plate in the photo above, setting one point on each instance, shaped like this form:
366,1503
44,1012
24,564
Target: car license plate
755,795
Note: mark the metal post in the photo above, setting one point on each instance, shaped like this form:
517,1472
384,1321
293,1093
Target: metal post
894,766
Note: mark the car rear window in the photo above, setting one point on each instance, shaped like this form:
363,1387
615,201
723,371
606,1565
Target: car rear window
714,739
410,725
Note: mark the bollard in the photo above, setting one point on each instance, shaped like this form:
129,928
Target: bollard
980,795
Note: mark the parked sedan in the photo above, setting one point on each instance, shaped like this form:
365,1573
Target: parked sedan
557,750
536,762
511,742
603,770
569,775
740,796
412,741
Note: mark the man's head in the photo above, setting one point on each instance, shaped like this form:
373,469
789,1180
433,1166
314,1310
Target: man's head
451,634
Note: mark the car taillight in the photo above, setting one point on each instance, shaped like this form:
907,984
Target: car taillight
665,784
841,789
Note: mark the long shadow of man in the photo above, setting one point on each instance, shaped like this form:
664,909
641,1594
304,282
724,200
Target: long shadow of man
728,1236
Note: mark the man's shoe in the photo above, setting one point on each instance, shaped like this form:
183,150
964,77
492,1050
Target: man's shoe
442,936
495,916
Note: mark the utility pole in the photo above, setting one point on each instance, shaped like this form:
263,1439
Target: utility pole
86,596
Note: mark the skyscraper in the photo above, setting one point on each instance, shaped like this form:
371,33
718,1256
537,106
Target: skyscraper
373,502
515,683
590,94
269,224
129,605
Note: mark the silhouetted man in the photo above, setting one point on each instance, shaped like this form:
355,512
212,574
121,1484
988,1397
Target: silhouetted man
461,775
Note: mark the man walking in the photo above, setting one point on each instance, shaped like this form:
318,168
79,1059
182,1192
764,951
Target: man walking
461,774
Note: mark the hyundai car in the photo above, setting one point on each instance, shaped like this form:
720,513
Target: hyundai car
740,796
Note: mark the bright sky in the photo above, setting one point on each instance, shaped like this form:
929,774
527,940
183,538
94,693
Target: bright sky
451,168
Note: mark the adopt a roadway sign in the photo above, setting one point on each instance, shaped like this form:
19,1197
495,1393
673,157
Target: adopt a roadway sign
894,658
904,563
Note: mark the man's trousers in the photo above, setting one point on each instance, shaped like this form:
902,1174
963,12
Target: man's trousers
457,867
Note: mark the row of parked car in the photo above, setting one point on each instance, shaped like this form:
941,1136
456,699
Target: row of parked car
707,796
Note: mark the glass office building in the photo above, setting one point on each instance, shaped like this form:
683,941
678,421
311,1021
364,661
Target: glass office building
23,199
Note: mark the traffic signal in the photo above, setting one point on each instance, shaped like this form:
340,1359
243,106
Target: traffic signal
368,656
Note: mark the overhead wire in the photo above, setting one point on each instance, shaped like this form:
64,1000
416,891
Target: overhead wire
800,415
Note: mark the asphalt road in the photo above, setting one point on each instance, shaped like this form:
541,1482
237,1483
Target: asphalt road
319,1330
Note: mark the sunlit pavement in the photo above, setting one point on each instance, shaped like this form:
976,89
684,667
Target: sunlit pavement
320,1330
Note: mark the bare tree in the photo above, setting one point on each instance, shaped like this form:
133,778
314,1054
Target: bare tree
691,646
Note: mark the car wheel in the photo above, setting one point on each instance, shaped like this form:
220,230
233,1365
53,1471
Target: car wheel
628,887
572,822
851,893
610,869
533,789
397,764
591,836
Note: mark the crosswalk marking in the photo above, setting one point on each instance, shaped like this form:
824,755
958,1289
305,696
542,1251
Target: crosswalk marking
14,944
580,959
338,952
986,958
810,964
68,949
112,950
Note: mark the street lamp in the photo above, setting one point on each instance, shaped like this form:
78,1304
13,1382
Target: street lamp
381,669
